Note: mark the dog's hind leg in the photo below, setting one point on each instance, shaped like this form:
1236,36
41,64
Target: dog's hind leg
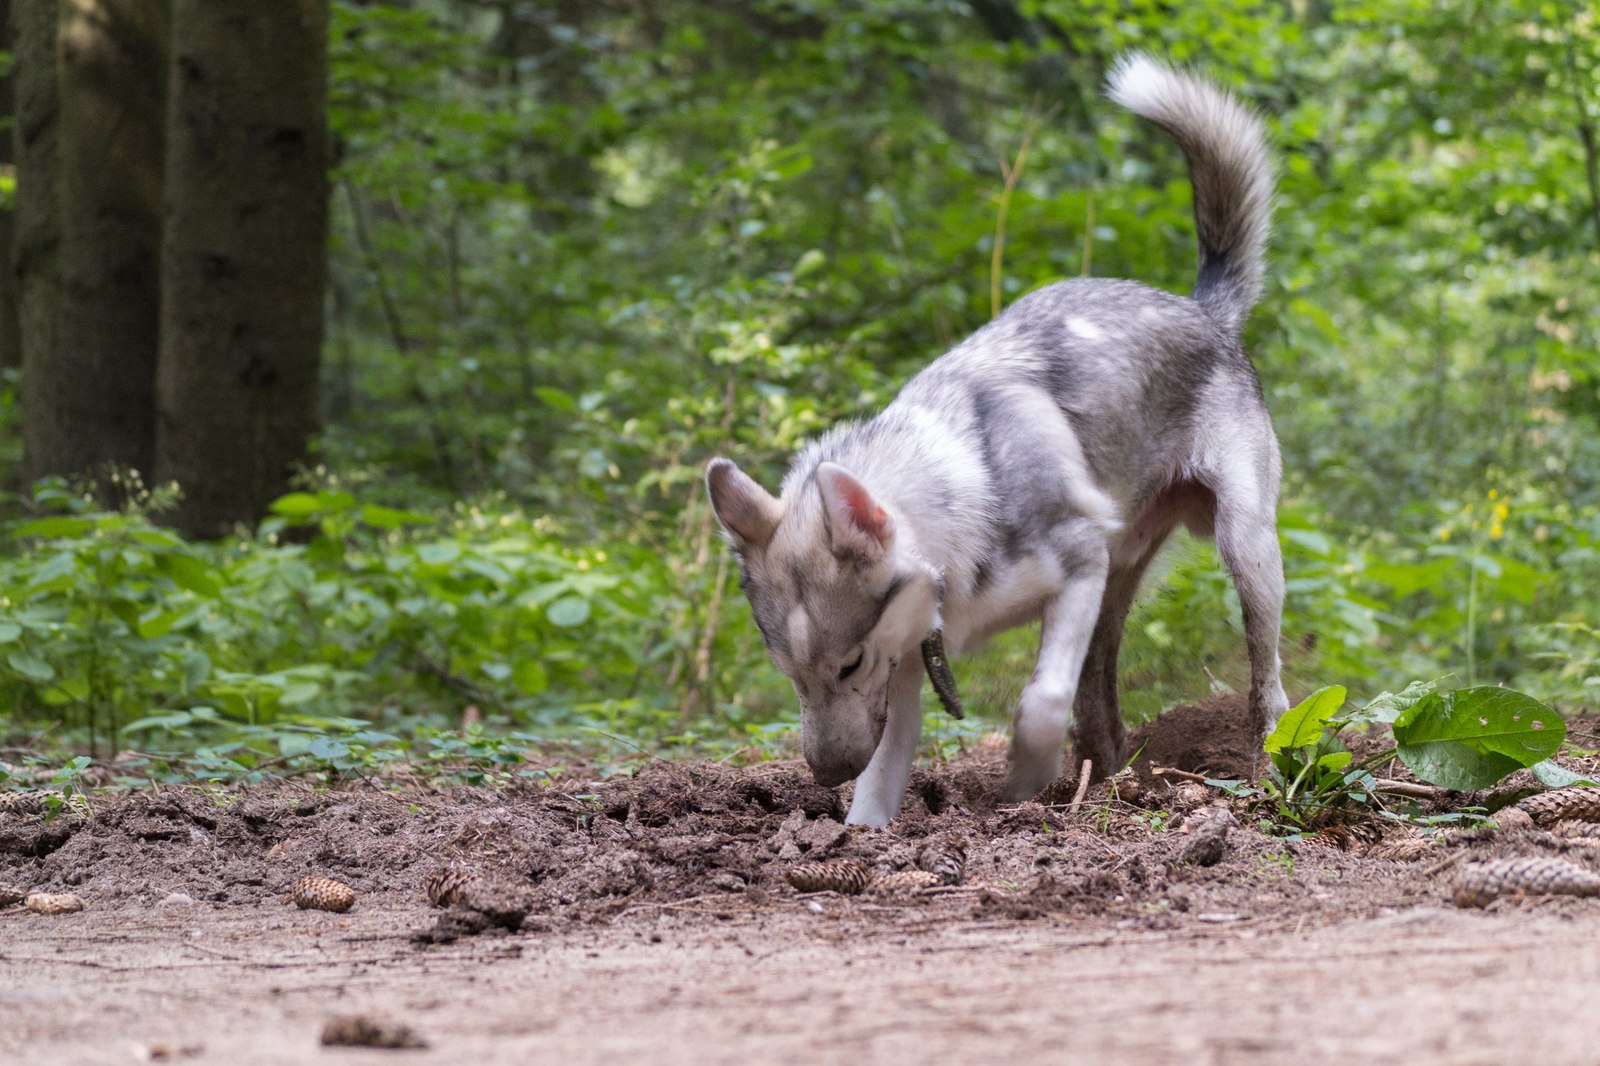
1045,712
1098,733
882,785
1247,540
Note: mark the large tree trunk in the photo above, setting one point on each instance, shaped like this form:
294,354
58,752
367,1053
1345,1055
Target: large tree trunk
10,341
244,258
89,153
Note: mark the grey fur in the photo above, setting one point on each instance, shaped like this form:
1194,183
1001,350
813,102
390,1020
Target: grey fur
1032,472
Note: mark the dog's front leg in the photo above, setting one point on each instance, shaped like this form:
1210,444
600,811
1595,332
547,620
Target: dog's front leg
882,785
1045,712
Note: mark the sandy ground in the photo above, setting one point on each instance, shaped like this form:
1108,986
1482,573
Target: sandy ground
653,918
1424,984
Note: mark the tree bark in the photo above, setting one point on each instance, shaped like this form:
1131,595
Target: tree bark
10,341
89,79
244,258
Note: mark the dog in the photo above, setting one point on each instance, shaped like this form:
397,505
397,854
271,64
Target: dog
1031,473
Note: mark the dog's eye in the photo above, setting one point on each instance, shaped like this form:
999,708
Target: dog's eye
851,667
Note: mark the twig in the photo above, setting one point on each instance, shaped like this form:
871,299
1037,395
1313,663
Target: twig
1083,787
1012,171
1408,788
1181,775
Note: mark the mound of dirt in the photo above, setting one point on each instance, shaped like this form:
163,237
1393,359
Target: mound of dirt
1211,738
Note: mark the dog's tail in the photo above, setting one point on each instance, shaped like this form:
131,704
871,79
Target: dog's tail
1233,181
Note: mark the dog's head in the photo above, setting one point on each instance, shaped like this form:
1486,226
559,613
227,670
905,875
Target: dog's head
840,595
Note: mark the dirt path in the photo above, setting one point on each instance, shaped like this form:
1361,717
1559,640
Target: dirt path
1422,985
652,918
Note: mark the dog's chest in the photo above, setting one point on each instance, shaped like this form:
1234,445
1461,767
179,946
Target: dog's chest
1006,593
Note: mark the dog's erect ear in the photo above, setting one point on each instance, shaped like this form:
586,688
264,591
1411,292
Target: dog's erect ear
746,510
858,526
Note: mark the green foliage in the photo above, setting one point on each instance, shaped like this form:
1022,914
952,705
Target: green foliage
580,248
1465,739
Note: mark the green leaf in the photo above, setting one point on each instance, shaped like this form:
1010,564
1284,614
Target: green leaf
1471,738
568,611
9,631
390,518
1553,776
530,676
1303,723
53,528
31,666
296,505
188,572
1388,706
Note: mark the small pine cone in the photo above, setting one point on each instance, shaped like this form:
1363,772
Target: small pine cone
322,894
1562,805
845,876
1481,884
46,903
1403,848
22,804
945,858
903,883
443,886
1588,832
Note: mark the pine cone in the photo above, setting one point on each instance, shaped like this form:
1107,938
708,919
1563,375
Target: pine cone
903,882
1401,848
846,876
1562,805
22,803
46,903
946,858
322,894
443,886
1481,884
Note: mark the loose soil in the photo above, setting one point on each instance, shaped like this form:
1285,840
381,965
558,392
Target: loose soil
649,918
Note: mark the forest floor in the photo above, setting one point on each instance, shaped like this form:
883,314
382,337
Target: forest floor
651,918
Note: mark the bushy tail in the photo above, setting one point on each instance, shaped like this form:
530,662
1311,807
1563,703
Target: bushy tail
1233,181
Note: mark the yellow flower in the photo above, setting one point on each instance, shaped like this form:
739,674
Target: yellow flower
1496,531
1443,532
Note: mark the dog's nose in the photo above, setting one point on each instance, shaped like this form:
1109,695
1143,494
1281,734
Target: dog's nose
831,772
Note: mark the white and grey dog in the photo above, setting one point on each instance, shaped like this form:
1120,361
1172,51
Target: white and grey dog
1031,473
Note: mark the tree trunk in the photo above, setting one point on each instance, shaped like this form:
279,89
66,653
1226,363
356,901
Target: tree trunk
244,259
89,154
36,232
10,341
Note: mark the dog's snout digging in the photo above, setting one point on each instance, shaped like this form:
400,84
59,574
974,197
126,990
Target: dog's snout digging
1032,473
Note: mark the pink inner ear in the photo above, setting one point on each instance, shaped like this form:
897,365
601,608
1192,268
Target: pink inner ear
864,511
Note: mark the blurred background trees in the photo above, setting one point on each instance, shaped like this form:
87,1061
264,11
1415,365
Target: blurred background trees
576,248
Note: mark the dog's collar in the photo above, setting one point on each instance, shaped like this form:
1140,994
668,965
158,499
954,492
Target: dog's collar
938,665
934,658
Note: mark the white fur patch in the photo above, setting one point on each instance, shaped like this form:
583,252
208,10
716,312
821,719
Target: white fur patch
1085,329
800,635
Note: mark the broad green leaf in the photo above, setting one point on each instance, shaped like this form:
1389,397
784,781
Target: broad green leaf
9,631
1471,738
1553,776
1388,706
530,676
54,528
568,611
1303,723
390,518
188,572
296,505
31,666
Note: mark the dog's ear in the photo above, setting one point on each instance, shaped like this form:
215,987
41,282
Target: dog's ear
747,511
858,526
